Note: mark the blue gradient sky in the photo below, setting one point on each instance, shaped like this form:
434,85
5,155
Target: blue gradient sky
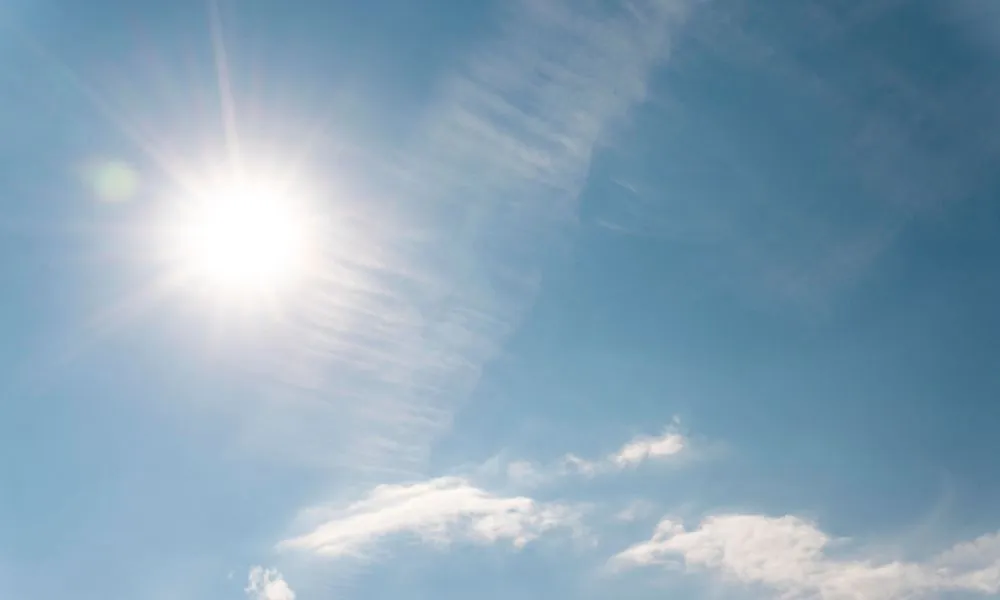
687,298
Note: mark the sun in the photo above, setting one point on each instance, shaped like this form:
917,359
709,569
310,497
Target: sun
242,237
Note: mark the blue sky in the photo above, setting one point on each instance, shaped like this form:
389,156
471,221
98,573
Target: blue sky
597,299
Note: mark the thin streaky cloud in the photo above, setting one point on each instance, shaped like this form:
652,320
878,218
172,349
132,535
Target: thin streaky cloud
438,511
905,174
383,353
790,555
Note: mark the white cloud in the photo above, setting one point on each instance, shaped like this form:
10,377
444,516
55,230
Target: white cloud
640,449
646,448
437,511
268,584
791,556
668,446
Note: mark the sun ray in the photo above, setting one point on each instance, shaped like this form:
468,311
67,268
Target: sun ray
227,104
145,141
38,371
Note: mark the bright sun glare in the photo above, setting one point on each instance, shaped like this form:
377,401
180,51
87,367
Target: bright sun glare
243,238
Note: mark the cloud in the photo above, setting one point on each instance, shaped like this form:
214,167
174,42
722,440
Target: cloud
644,448
531,106
437,511
641,449
267,584
905,147
435,264
793,557
669,445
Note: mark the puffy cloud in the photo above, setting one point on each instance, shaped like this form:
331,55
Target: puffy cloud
438,511
268,584
649,448
790,555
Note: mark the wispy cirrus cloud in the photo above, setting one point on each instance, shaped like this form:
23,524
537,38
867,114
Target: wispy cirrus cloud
903,148
414,305
267,584
529,108
793,556
438,511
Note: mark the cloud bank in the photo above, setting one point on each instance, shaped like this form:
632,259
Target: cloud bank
788,555
794,557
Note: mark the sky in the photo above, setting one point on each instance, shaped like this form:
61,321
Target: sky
590,299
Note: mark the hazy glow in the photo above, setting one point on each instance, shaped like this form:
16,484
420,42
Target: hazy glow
243,237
